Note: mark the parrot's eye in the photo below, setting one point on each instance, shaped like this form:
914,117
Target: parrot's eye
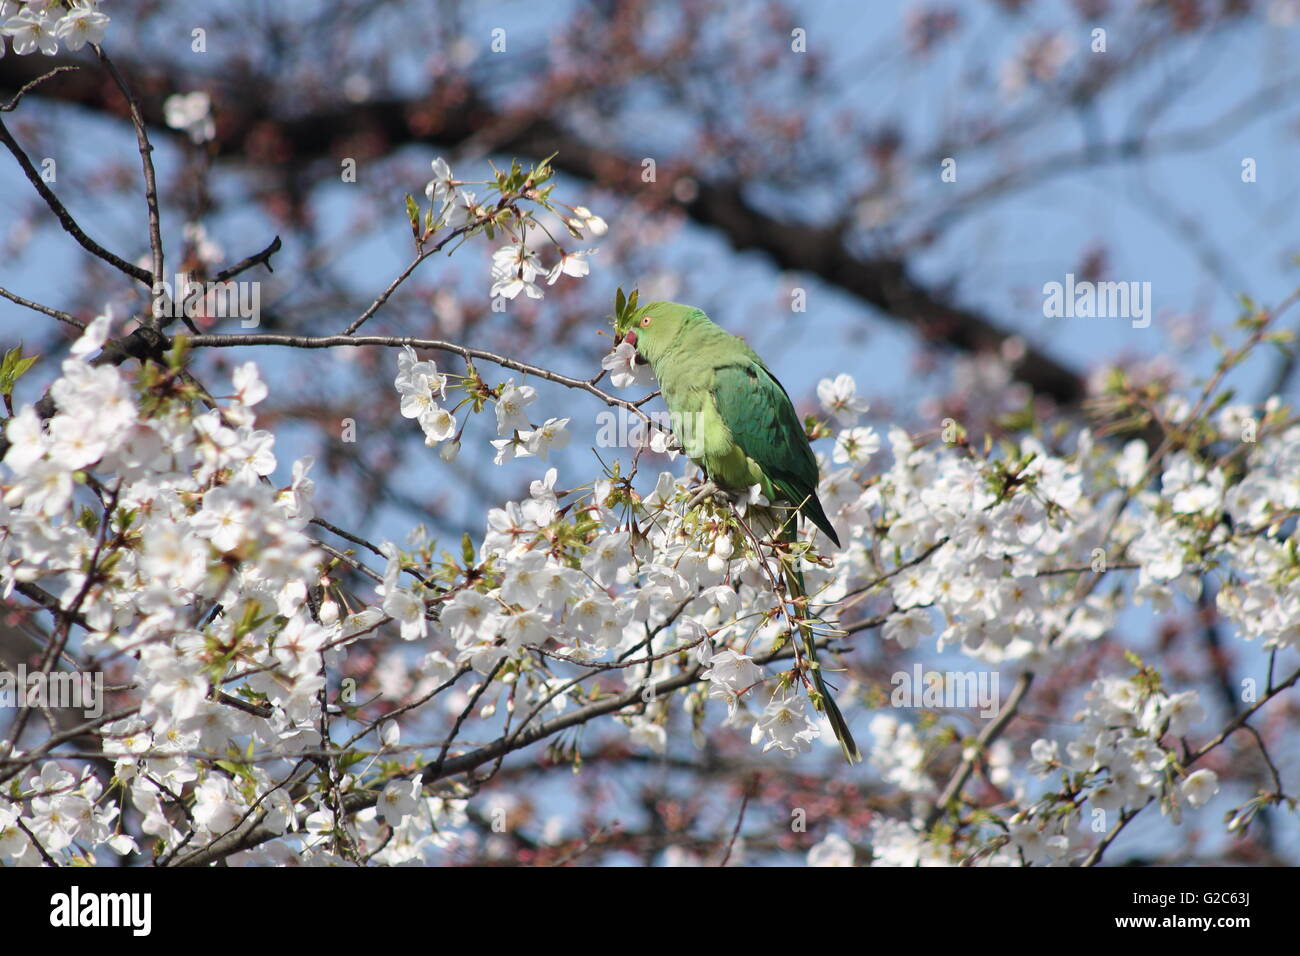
645,321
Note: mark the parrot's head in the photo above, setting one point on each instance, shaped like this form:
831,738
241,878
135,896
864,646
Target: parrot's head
655,326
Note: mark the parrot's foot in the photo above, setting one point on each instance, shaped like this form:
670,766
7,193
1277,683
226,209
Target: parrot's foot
703,493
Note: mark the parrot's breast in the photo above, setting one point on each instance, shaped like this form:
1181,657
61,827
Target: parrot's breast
707,441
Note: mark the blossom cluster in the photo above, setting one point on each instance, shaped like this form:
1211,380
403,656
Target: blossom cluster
517,266
33,25
1123,758
152,524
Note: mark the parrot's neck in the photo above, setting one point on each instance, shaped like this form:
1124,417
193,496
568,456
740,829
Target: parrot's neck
673,351
697,333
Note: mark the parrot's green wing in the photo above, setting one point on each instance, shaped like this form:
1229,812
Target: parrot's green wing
763,422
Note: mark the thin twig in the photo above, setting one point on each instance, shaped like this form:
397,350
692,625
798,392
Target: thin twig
406,273
65,218
262,258
31,85
146,160
43,309
396,341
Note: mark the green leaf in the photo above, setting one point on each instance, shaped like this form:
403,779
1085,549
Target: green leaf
624,310
13,368
1021,420
1116,381
176,357
542,172
413,214
251,620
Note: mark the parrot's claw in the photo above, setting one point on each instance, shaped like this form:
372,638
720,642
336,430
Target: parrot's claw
704,492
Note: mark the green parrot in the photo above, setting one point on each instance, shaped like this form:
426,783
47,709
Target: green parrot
736,422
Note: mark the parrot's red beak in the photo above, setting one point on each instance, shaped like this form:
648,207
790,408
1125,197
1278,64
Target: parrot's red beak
630,338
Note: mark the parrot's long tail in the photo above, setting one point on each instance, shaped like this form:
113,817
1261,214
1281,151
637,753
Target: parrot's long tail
798,589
